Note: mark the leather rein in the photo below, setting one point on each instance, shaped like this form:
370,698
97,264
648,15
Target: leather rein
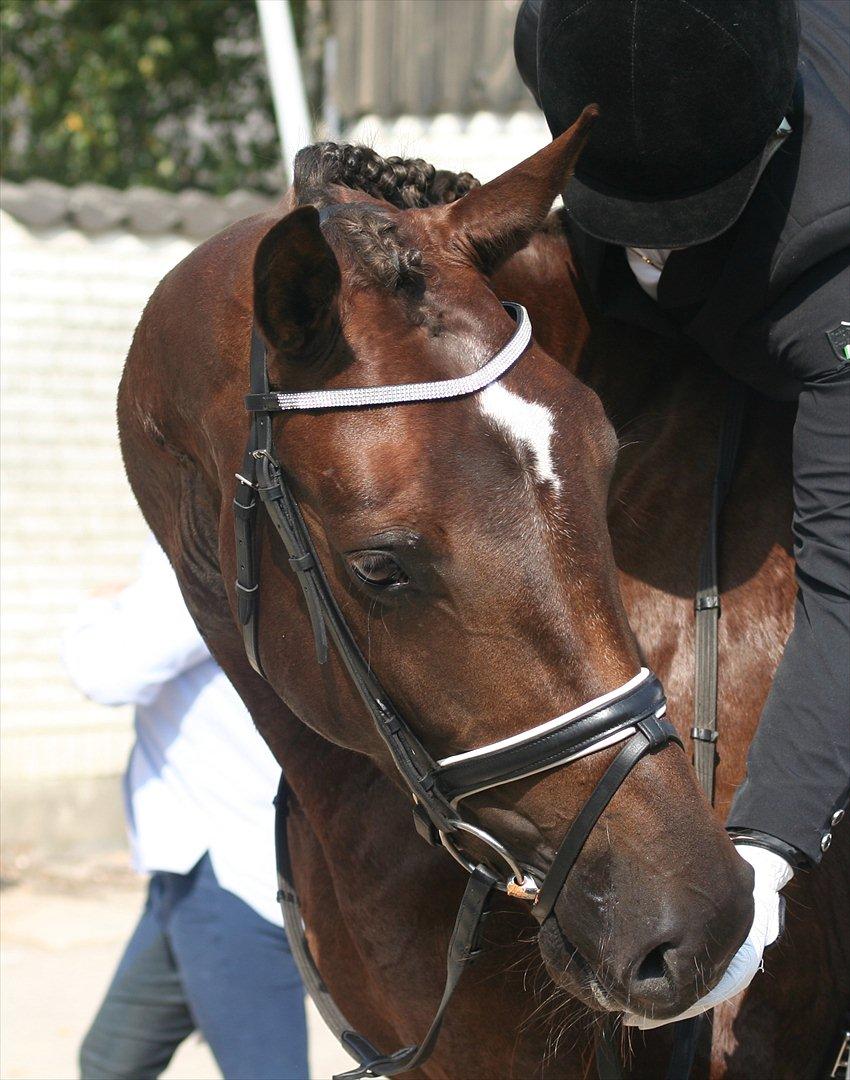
633,714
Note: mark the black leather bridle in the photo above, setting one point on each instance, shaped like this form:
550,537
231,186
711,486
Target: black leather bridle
633,714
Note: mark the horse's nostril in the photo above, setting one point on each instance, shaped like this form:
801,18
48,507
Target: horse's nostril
653,965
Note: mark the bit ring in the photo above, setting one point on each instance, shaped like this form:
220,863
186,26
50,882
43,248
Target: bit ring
521,885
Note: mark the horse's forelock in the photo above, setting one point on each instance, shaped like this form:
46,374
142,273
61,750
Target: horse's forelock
379,252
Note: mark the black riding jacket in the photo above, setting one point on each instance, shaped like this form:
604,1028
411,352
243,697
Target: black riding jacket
769,301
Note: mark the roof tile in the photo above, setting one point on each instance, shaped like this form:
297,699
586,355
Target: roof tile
95,208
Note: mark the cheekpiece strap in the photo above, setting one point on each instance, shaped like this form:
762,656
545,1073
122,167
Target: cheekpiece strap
245,506
264,481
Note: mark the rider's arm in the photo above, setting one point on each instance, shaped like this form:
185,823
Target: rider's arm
798,775
121,651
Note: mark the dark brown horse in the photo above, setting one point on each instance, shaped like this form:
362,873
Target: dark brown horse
500,563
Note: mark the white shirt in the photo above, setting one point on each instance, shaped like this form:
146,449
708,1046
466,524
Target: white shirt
200,778
648,274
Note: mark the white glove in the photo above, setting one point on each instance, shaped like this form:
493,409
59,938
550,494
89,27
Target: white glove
772,873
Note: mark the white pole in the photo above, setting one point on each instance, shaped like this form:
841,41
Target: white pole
287,86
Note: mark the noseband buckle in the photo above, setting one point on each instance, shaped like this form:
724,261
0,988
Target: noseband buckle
425,826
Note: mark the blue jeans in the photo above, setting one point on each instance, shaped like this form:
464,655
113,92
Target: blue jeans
200,959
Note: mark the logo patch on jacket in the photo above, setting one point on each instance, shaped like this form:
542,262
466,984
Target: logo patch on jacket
839,339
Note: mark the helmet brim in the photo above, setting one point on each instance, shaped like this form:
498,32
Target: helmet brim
695,218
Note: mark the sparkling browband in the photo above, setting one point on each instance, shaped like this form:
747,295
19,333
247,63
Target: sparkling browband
405,393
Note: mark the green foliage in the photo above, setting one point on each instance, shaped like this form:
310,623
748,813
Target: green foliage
171,93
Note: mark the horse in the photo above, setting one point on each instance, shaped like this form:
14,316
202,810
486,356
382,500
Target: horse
501,558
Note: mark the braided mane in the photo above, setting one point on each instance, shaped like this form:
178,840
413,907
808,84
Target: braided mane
371,235
403,182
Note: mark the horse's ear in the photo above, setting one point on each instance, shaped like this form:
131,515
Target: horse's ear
496,220
296,283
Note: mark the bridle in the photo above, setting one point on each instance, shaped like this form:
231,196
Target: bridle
633,714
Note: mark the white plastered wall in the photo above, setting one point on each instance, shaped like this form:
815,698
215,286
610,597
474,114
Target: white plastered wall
69,523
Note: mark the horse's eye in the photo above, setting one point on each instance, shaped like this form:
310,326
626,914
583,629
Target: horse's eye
378,569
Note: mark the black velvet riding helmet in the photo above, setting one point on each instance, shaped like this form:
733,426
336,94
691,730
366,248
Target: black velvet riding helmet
690,93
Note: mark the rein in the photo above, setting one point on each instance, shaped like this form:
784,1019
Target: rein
633,714
704,732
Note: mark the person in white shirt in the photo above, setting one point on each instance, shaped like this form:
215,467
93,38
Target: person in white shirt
209,952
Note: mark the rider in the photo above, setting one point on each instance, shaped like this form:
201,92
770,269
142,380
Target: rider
711,205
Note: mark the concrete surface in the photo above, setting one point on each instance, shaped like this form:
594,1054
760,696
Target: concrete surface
62,929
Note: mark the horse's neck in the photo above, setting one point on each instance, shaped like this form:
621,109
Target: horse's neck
666,402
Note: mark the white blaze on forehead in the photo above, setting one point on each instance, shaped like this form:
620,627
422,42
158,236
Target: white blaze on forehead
525,423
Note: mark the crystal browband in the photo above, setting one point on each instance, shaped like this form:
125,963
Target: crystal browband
405,393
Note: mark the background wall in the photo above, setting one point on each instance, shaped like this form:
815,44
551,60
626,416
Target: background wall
69,522
77,266
424,57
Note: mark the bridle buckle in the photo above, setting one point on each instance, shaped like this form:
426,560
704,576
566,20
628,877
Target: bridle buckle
527,889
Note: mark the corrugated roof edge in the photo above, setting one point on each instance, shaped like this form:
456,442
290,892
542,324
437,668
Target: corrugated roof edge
95,208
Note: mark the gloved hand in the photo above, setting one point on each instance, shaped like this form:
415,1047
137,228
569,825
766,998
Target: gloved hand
772,873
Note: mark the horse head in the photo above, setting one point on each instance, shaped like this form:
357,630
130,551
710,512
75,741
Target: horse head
466,544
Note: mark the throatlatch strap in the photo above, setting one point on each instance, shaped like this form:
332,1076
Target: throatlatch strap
707,604
464,947
294,924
